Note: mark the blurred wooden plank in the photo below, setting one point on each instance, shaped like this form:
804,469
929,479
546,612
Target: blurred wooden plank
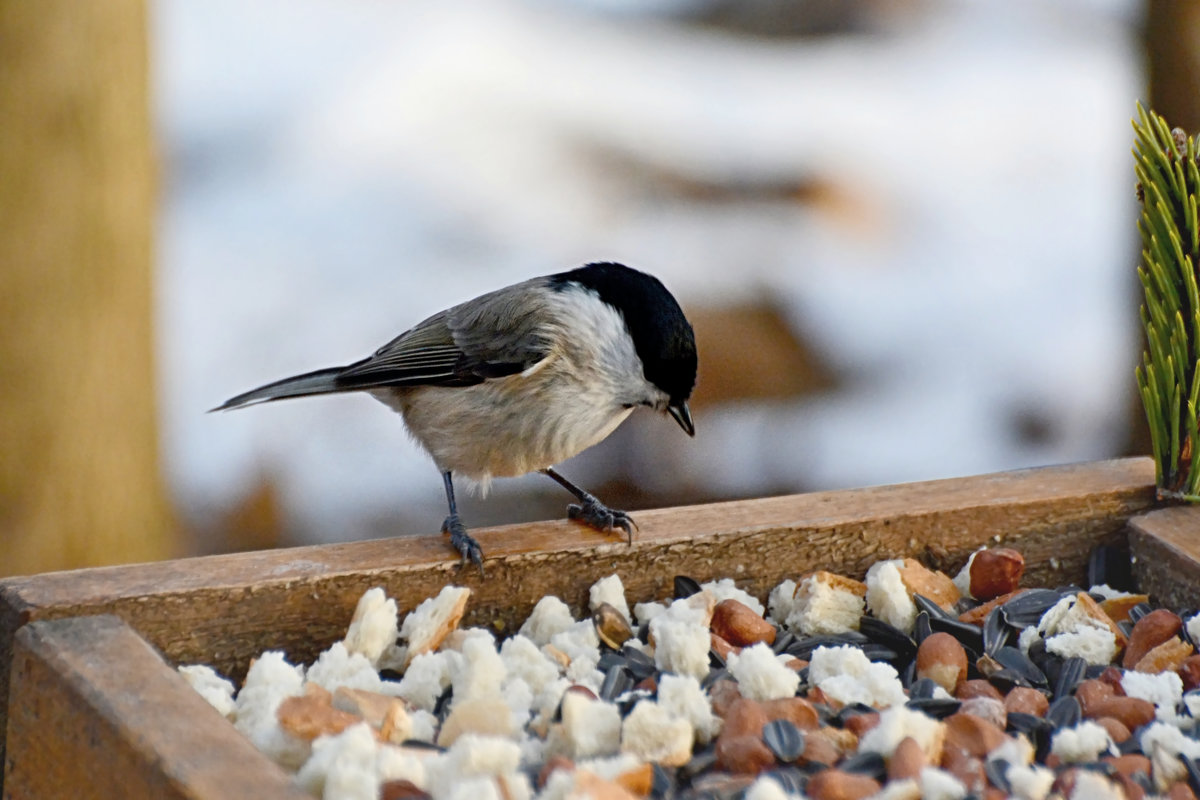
225,610
80,480
1166,549
95,712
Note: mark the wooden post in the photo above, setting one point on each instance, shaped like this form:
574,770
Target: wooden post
79,476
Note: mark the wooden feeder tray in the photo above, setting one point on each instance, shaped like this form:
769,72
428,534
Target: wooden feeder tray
92,706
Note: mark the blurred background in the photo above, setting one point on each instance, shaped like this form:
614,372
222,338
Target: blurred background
904,233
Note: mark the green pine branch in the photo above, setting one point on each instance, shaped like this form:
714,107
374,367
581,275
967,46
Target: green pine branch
1169,376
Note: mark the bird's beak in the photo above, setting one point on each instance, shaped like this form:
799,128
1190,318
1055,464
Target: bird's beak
682,415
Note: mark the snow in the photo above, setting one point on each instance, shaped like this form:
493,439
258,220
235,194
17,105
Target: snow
336,171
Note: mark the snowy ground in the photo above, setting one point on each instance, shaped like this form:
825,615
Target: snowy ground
335,170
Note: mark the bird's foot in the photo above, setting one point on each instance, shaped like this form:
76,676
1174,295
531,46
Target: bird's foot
599,516
463,542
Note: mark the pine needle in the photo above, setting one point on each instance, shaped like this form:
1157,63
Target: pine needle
1168,378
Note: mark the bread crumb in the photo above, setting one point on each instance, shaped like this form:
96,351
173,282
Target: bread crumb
653,733
269,681
433,619
212,687
591,727
887,598
1084,743
549,616
761,675
937,784
826,605
681,640
609,590
898,723
682,696
845,674
373,628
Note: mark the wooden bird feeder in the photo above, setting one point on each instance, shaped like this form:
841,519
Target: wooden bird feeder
92,706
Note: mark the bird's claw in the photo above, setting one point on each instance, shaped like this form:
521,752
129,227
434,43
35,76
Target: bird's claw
599,516
464,543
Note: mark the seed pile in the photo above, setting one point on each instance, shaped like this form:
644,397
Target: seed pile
908,685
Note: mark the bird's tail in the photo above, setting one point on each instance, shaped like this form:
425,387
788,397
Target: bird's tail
323,381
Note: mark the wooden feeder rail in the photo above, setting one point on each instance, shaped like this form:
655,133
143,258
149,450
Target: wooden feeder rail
92,709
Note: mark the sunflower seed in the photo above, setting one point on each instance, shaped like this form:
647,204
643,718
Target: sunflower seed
1064,713
1028,607
996,632
783,739
996,770
1069,676
685,587
866,762
1014,659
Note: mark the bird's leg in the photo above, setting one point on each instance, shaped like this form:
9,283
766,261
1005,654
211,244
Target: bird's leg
591,511
460,540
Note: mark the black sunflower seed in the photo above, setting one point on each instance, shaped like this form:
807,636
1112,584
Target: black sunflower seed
1020,722
617,681
610,659
908,676
1014,659
1131,745
421,744
853,710
640,665
996,770
969,636
922,628
712,677
783,640
1139,611
1187,614
827,715
1006,679
442,706
1070,673
1193,772
700,761
662,782
932,609
922,689
1064,712
936,707
783,739
685,587
866,762
888,636
996,632
1028,607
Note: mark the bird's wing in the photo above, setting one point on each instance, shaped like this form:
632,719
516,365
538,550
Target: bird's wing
496,334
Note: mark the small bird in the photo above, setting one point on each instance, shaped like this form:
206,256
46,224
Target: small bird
524,377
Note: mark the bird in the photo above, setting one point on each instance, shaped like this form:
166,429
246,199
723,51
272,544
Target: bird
522,378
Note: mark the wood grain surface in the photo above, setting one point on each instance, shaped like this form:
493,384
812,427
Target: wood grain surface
95,712
225,610
1167,545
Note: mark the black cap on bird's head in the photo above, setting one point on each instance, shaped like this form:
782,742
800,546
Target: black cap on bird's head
661,333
